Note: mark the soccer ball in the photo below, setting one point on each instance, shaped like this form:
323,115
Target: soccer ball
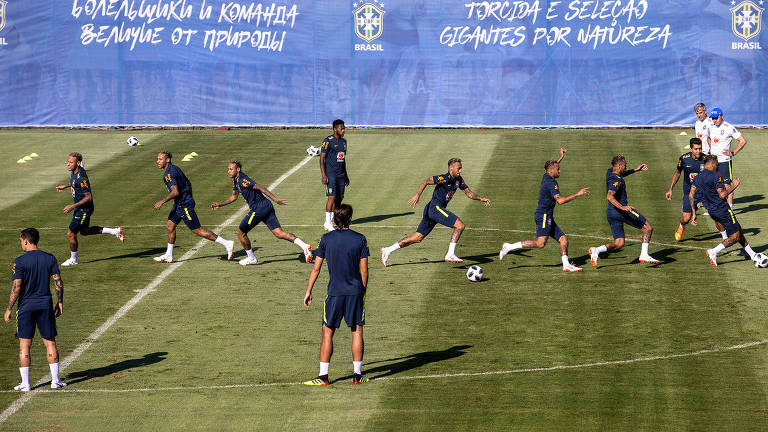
475,273
313,151
132,141
761,260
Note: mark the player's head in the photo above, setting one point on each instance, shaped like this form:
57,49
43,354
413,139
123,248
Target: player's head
552,168
619,161
695,145
339,128
710,162
342,216
234,167
701,111
74,160
454,167
717,116
164,159
29,236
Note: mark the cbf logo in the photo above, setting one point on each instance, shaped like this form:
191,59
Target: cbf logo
746,23
369,24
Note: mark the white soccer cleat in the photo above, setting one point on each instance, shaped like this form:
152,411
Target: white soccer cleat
593,255
308,253
328,227
505,249
60,384
70,262
248,261
453,259
230,249
22,388
712,257
120,234
570,268
384,257
648,259
163,258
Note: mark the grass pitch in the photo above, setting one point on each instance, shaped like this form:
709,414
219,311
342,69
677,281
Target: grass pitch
626,346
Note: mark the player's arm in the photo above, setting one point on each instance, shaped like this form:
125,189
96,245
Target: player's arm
473,196
15,292
227,201
693,204
562,154
727,189
58,285
87,197
742,143
364,271
60,188
641,167
675,178
611,197
415,199
171,195
562,200
323,155
268,194
312,278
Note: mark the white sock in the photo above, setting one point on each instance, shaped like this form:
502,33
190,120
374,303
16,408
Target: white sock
718,248
324,368
112,231
723,234
300,243
600,249
731,206
169,251
750,251
222,241
24,371
328,218
451,248
250,254
681,226
73,255
54,372
517,245
565,261
358,367
393,248
644,249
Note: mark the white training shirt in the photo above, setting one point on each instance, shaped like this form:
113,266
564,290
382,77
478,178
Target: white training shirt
702,132
721,139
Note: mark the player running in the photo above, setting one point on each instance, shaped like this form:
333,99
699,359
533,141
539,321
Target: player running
31,274
619,213
435,212
180,191
261,210
333,169
347,255
714,192
702,125
549,195
722,133
82,207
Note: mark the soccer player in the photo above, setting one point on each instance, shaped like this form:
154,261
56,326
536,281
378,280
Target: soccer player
690,164
333,169
619,213
262,210
549,195
714,192
82,207
435,212
721,133
702,125
31,274
180,191
347,255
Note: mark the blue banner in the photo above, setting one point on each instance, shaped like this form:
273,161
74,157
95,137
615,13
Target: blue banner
388,62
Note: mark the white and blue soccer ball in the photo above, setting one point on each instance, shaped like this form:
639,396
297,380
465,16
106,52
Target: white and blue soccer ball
761,260
475,273
132,141
313,151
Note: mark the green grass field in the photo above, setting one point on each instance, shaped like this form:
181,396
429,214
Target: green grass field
218,347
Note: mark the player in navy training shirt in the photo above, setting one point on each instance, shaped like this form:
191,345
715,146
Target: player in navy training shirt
333,169
435,211
180,191
261,210
620,213
549,196
82,207
347,254
714,193
31,274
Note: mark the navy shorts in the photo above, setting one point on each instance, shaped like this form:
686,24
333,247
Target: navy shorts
726,170
728,219
43,319
687,203
335,187
617,219
433,215
80,220
547,227
187,214
252,218
349,307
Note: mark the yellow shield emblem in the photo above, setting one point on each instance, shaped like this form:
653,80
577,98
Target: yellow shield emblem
369,22
746,19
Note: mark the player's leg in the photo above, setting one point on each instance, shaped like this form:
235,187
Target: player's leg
274,225
458,228
687,213
562,239
358,349
246,225
425,227
170,228
193,223
617,230
79,222
543,225
330,204
726,172
24,362
733,230
647,233
117,232
52,354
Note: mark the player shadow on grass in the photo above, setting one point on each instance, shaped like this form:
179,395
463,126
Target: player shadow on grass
409,362
85,375
748,199
663,255
716,235
379,218
750,208
143,254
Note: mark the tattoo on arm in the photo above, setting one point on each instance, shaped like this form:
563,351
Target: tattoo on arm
15,292
59,285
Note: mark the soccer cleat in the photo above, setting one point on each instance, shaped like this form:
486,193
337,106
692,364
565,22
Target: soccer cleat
230,249
505,249
679,233
328,227
384,256
60,384
70,262
359,379
648,259
22,388
593,255
248,261
308,254
163,258
572,269
712,257
319,381
453,259
120,234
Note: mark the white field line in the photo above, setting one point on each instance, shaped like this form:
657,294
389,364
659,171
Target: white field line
18,403
436,376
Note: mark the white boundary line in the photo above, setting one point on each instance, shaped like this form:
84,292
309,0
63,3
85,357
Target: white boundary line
18,403
437,376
